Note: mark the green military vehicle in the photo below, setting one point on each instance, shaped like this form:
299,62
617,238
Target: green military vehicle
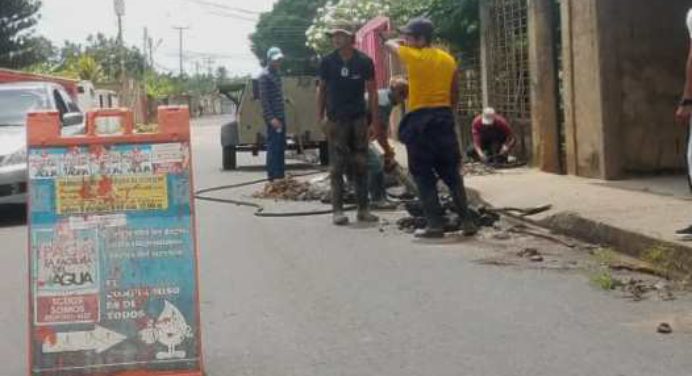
248,132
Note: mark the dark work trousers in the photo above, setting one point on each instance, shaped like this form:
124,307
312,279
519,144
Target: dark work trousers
433,153
276,152
348,151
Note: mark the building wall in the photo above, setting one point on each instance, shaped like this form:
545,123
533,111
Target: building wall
646,43
624,66
583,100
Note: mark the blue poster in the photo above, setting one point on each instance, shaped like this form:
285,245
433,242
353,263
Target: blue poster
113,262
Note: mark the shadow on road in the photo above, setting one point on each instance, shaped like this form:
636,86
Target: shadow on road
12,215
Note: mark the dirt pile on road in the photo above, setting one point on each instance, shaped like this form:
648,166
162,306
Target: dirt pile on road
290,189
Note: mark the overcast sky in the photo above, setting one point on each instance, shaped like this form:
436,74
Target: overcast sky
218,29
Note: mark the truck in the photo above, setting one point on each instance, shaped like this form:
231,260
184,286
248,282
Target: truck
248,132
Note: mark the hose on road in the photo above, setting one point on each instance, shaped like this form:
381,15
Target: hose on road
260,211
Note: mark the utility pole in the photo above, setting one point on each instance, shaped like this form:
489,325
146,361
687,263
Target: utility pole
120,12
145,44
210,64
152,49
181,29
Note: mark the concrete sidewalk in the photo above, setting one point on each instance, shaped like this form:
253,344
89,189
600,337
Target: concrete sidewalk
628,216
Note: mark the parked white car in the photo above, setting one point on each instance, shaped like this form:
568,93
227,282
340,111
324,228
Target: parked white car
16,101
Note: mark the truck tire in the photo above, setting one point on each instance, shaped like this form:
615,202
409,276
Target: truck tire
229,158
324,153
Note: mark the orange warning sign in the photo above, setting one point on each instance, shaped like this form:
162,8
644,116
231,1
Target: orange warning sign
112,248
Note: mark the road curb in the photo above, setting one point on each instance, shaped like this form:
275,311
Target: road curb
676,258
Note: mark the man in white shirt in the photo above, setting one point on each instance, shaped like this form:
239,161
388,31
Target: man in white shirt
683,113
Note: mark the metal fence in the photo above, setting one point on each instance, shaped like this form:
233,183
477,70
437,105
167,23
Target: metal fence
508,65
470,93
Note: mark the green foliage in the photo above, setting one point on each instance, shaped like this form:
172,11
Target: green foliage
285,26
457,21
19,47
605,280
106,51
221,74
605,256
664,258
98,60
354,12
199,85
161,86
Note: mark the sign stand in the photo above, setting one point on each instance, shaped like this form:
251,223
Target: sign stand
112,248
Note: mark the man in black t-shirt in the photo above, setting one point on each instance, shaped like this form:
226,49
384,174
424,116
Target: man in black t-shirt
344,76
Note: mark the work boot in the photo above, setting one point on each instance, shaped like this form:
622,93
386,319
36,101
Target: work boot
339,219
429,233
367,217
468,228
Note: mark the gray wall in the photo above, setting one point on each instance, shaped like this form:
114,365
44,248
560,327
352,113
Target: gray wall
624,63
583,99
644,46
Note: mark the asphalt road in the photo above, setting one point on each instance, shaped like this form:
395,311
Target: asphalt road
300,297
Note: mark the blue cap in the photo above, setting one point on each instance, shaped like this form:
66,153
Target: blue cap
419,26
274,54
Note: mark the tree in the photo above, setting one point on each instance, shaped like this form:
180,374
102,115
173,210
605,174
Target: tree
221,74
107,52
355,12
88,69
161,86
285,26
457,21
99,52
19,47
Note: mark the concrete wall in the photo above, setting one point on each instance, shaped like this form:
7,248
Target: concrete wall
623,75
584,103
646,46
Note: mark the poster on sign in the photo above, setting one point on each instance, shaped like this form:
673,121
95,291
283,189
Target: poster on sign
113,262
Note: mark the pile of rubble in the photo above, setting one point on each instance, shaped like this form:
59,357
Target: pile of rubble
290,189
482,217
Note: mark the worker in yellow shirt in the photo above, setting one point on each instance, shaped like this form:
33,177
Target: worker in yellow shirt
428,129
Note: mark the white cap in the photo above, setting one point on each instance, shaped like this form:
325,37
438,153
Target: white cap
274,54
488,116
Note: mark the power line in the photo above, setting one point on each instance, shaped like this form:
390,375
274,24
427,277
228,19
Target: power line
187,57
224,6
193,54
230,15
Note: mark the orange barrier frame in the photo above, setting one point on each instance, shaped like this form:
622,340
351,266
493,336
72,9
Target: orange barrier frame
44,131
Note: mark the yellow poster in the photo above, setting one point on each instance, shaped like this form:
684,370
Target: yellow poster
82,195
